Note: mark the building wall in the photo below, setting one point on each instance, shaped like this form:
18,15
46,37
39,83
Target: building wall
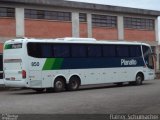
1,47
83,30
105,33
47,29
42,28
139,35
7,27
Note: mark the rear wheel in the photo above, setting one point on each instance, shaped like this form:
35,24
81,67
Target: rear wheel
59,85
74,83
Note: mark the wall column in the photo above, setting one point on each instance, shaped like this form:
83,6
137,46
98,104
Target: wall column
89,25
157,39
19,22
75,24
157,57
156,29
120,25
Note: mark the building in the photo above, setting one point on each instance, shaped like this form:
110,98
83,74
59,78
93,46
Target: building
58,18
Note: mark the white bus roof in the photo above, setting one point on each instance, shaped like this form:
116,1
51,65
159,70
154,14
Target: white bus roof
76,40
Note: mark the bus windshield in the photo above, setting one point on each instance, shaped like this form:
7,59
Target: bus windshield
148,57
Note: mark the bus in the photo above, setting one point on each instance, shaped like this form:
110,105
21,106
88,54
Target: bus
67,63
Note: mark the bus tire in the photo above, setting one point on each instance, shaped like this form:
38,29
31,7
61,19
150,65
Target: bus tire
74,83
59,84
139,79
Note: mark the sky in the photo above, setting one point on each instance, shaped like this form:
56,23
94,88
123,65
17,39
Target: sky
144,4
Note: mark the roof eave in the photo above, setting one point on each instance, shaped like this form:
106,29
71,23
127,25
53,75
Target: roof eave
87,6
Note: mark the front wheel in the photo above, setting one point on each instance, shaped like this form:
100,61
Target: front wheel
139,79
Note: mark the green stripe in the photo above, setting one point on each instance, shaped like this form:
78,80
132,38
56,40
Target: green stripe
7,46
53,64
58,63
49,64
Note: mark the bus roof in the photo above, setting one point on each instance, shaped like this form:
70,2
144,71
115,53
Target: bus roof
75,40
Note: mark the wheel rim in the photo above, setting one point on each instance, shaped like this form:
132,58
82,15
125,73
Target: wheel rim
139,80
74,84
59,85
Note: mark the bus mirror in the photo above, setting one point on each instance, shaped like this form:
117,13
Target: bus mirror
151,61
154,55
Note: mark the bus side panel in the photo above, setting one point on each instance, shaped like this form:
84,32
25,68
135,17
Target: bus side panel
106,75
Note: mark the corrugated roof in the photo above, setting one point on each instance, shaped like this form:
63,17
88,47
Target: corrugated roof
87,6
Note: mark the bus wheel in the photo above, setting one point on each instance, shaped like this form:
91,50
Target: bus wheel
38,89
74,83
59,84
139,79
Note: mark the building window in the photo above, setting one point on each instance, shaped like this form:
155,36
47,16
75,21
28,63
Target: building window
104,21
49,15
7,12
83,17
139,23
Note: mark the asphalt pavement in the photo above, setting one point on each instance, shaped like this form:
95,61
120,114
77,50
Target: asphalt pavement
99,99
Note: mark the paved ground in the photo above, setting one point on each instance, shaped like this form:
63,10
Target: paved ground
88,100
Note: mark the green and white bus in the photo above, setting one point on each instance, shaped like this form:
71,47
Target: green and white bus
66,63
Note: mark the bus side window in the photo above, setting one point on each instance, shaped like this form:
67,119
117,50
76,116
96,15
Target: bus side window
47,51
33,49
109,51
94,51
79,51
122,51
135,51
61,50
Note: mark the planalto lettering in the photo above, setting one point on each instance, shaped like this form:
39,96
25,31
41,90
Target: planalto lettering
128,62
